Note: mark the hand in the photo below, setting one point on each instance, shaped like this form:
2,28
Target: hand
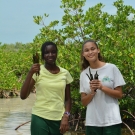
64,126
35,68
95,84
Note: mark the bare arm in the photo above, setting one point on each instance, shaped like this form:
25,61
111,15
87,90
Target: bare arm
87,98
96,84
116,93
67,98
29,82
64,122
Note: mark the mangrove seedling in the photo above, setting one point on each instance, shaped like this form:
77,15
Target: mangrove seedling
90,76
96,76
36,60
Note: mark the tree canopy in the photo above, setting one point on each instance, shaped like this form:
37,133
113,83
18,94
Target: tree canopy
115,35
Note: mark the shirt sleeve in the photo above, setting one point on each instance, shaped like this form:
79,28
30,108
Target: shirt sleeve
81,83
34,77
119,80
69,78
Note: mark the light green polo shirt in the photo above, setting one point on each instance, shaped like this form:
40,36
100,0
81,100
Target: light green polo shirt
50,93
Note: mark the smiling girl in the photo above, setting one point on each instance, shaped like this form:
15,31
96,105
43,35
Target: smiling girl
100,95
51,110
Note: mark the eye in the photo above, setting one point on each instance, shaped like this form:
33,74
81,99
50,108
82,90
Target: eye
93,48
54,52
50,52
86,50
46,52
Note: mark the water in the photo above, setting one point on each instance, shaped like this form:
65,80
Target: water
14,112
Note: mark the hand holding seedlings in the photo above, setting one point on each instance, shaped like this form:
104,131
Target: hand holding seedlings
95,83
90,76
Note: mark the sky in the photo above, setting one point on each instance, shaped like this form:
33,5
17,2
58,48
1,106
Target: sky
16,16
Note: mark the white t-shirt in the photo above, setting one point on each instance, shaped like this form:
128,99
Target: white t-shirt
103,110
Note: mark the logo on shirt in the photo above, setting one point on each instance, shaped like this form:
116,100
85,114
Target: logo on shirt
106,79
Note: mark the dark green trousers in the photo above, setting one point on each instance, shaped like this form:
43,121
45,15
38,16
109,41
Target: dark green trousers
109,130
41,126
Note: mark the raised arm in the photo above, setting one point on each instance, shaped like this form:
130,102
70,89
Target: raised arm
29,81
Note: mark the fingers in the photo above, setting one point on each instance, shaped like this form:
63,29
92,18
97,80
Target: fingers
64,125
64,128
35,68
36,65
95,84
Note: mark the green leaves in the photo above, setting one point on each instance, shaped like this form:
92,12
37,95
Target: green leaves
37,19
115,35
14,65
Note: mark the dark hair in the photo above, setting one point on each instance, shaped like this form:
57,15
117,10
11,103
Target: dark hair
44,45
84,62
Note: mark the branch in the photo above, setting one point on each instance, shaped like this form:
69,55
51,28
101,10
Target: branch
128,128
22,125
129,113
12,71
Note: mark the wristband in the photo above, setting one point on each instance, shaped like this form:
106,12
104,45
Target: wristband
67,113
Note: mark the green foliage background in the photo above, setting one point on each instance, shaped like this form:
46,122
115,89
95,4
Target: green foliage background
115,35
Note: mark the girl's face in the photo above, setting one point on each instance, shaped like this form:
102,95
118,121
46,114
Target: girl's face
90,52
50,54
